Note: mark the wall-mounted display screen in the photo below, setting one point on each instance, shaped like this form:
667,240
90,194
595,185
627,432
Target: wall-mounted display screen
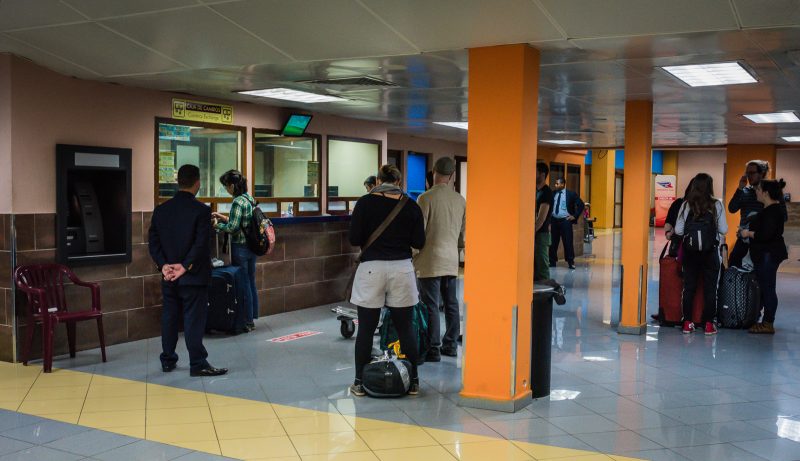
296,125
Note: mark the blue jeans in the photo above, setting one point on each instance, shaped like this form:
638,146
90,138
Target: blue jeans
767,273
241,256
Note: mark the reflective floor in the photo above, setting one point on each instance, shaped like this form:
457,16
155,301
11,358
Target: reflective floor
660,396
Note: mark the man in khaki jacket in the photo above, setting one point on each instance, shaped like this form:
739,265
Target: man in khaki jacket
444,211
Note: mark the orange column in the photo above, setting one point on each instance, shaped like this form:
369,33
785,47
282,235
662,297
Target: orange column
636,216
738,156
498,282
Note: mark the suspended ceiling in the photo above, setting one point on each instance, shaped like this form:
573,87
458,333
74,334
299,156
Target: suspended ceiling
595,55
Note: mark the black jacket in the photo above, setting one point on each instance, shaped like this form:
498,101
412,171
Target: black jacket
575,205
180,232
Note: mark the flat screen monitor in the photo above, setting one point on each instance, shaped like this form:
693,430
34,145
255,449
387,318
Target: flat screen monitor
296,125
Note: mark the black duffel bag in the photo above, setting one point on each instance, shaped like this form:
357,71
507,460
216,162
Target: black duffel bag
387,376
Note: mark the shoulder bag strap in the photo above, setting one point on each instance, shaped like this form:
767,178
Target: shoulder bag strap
377,232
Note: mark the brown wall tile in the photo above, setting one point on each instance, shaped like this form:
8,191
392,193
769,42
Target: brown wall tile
152,291
4,318
308,270
35,257
25,232
328,244
147,217
278,254
346,247
6,344
6,271
314,294
122,294
299,246
45,231
279,274
259,276
271,301
100,272
5,232
142,263
137,235
339,266
297,229
144,323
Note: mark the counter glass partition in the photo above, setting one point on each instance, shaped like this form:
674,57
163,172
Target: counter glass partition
287,173
350,162
214,148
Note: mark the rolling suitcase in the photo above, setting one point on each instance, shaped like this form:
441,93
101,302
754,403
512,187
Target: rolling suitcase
670,292
739,299
226,303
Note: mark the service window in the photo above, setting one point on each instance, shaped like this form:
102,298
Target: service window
213,148
286,173
350,162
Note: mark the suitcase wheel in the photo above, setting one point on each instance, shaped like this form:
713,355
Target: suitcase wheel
347,328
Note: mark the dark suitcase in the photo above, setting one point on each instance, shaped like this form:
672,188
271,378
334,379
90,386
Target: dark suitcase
387,376
739,299
670,292
226,301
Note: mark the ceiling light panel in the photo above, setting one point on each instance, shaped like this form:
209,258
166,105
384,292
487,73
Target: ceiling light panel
721,73
292,95
791,138
461,125
773,117
564,142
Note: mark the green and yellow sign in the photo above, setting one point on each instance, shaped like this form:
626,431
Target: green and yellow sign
199,111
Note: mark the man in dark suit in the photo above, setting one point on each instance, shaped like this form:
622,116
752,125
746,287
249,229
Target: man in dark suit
179,239
567,208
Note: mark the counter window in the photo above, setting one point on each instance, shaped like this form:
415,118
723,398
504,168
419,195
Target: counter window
286,173
214,148
350,162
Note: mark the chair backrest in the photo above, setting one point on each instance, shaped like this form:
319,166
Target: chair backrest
47,277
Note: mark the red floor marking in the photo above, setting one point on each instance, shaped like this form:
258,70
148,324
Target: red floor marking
294,336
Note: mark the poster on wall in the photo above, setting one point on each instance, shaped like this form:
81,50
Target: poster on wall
199,111
665,194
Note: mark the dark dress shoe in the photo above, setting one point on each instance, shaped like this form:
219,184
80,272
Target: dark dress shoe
572,266
433,356
449,352
166,368
208,371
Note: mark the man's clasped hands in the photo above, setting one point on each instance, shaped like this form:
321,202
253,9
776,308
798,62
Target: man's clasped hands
172,272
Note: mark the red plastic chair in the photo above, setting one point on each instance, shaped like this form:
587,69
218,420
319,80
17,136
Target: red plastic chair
47,305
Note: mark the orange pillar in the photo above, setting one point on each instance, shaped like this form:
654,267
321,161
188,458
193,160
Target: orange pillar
738,156
498,282
636,216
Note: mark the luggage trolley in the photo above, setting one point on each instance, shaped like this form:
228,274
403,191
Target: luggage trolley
348,318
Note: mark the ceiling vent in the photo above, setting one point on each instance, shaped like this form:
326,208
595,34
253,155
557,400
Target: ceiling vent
363,80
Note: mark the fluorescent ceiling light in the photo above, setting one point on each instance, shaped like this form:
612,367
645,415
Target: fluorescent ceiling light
292,95
791,138
721,73
774,117
563,142
461,125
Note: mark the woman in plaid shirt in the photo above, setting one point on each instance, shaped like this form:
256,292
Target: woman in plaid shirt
241,214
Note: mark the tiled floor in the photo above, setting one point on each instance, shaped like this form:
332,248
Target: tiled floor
660,396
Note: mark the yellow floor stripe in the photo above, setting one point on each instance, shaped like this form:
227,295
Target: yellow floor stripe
246,429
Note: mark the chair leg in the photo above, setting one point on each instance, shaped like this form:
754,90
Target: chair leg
26,346
71,338
102,337
47,336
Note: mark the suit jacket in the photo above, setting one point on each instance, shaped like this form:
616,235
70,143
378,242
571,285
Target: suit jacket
575,205
180,232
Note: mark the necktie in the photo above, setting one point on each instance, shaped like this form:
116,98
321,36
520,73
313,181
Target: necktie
558,203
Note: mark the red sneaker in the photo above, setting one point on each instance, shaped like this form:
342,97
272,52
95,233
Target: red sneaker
711,329
688,327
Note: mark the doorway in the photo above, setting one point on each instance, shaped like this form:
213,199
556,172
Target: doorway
461,176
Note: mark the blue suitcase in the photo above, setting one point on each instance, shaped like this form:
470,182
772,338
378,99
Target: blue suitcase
226,301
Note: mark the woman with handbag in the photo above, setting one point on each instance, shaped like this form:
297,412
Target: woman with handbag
386,225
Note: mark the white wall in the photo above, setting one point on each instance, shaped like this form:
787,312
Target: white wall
692,162
788,167
350,163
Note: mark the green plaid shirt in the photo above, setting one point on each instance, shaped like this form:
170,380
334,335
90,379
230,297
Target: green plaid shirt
240,215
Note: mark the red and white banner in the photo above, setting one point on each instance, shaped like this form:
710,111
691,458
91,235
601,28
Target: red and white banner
665,193
294,336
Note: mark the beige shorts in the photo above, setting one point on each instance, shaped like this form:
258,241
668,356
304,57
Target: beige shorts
385,283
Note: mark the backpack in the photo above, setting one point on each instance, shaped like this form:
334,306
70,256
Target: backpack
700,232
419,322
259,232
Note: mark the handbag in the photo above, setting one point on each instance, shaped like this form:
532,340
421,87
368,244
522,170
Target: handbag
372,238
